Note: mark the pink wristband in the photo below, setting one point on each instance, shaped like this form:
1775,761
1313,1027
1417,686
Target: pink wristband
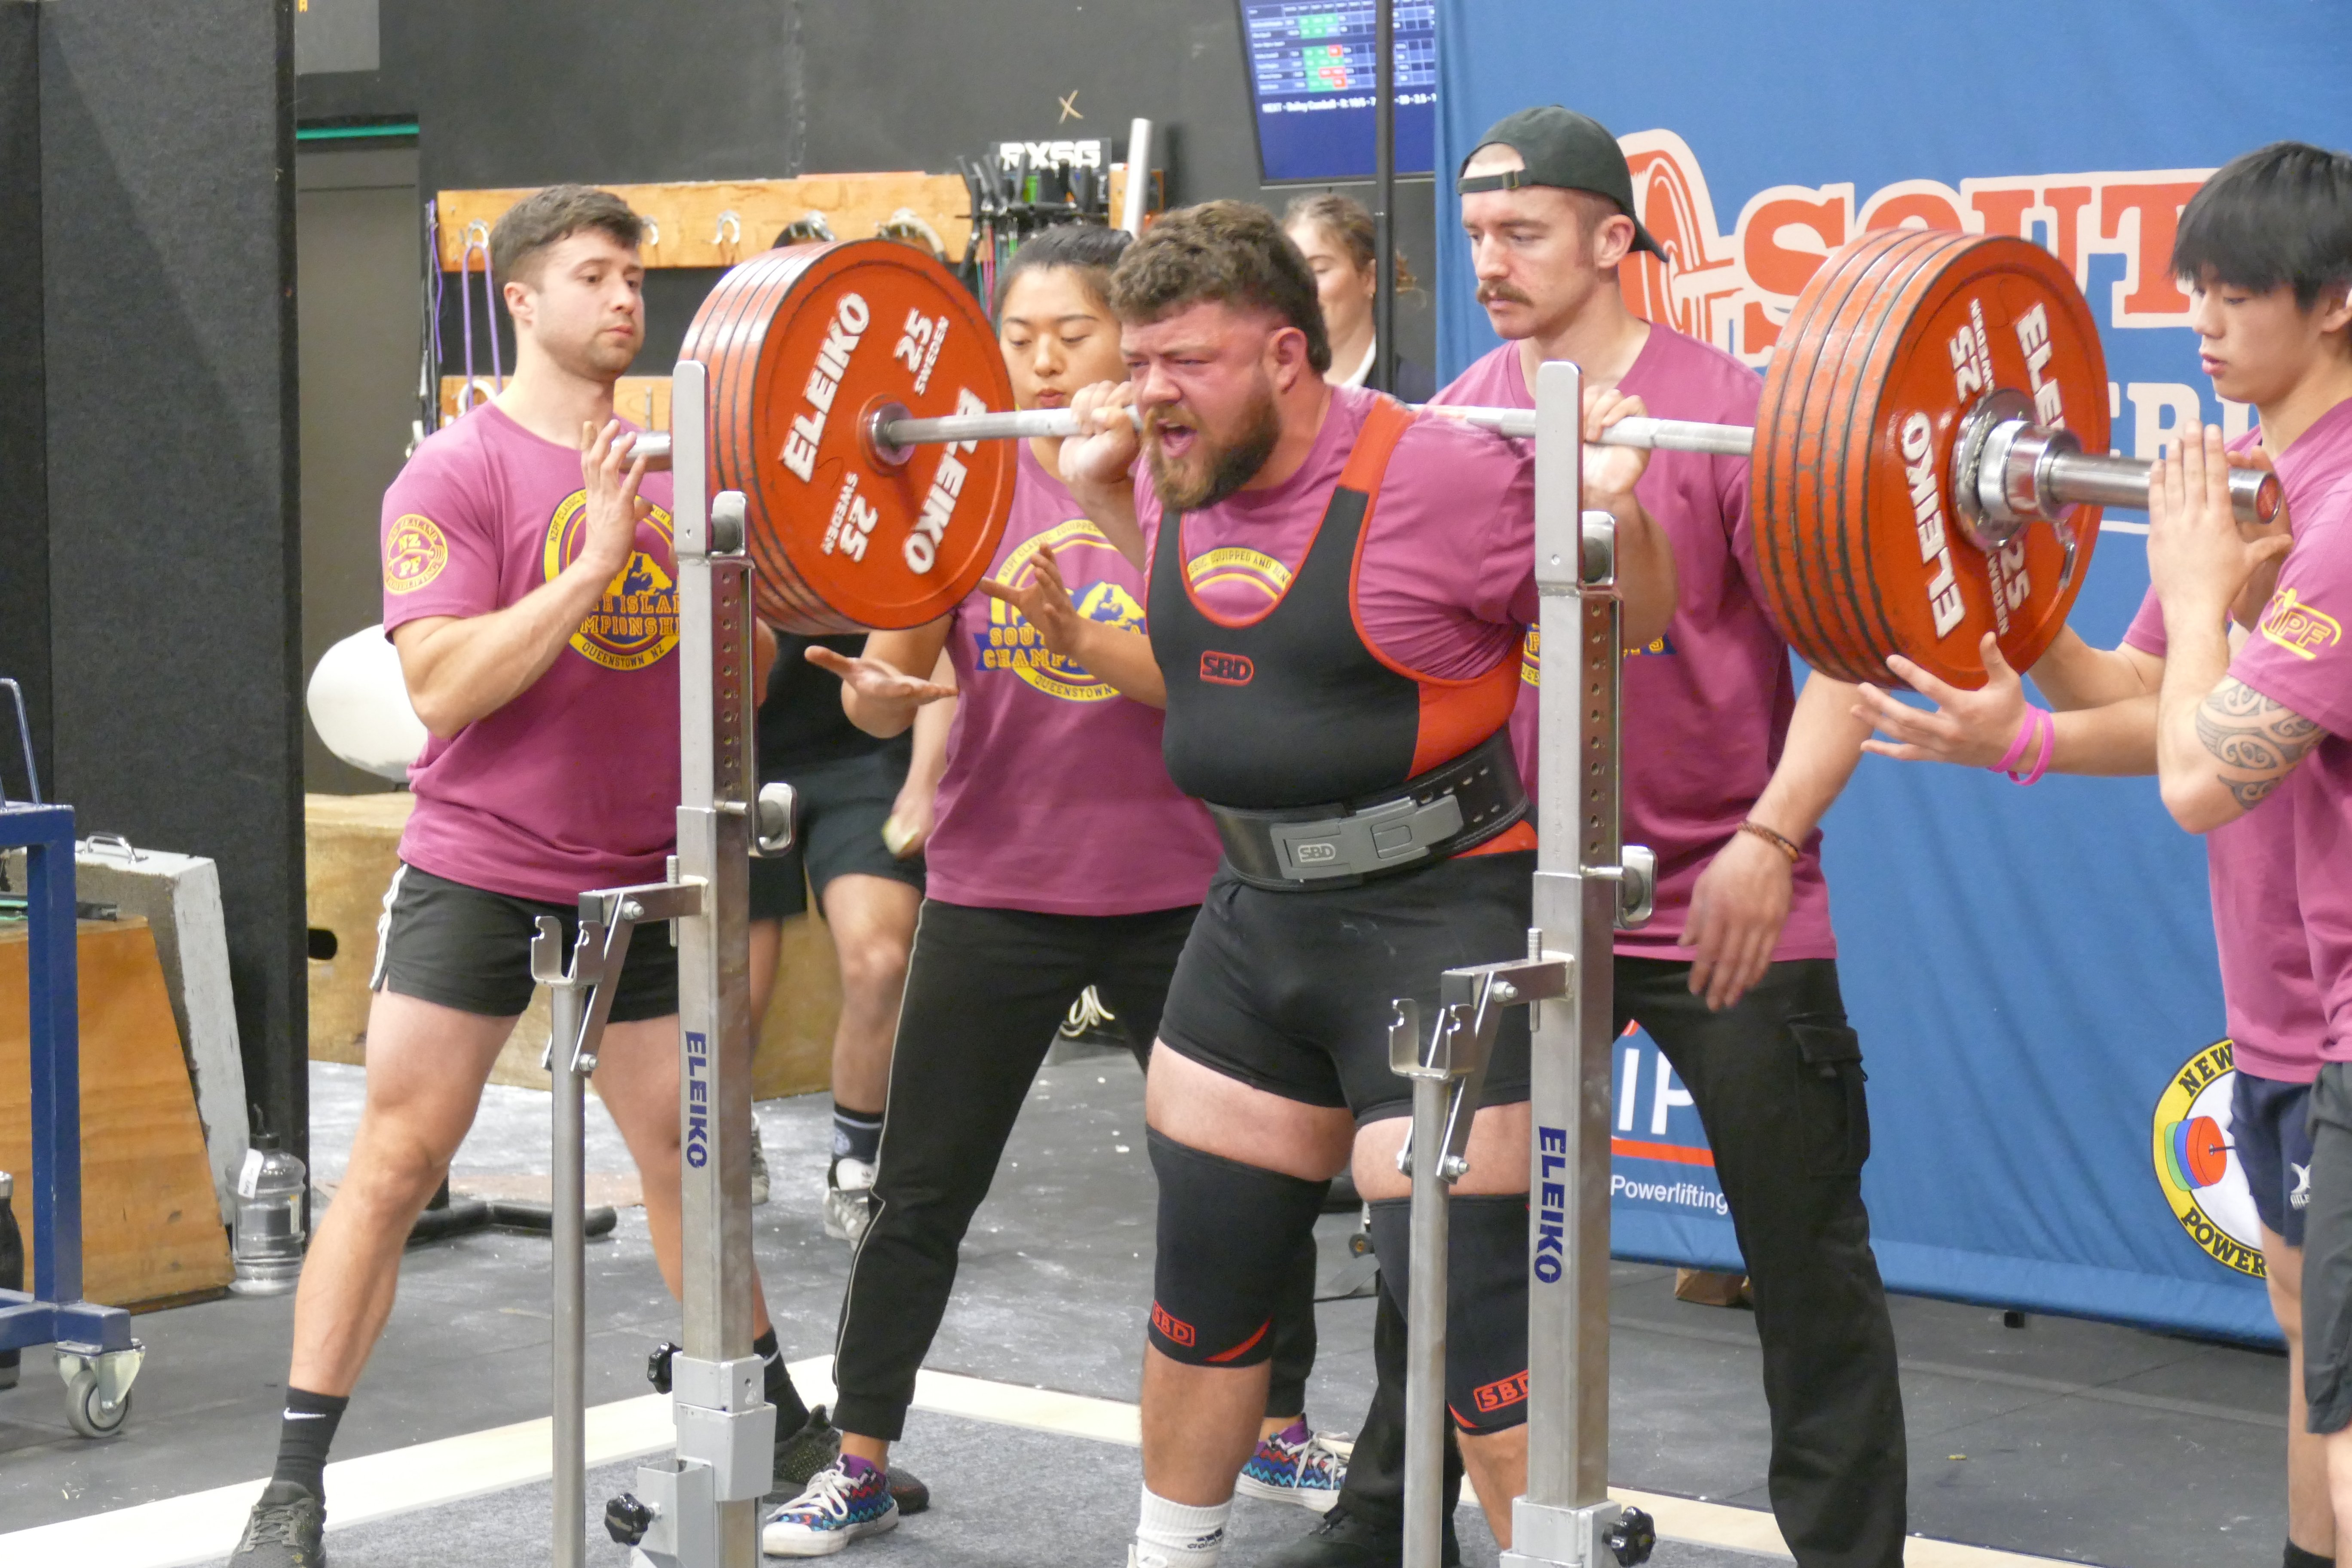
2025,728
2046,727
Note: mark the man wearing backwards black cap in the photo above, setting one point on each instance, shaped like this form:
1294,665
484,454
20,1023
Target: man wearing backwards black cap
1727,769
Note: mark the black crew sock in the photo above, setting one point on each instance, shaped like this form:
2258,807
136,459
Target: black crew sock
856,1134
790,1413
2296,1557
304,1431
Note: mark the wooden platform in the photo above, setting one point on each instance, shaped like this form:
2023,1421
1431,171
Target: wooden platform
354,846
150,1226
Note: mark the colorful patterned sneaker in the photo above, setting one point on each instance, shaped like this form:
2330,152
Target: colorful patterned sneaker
848,1199
1295,1465
283,1531
847,1498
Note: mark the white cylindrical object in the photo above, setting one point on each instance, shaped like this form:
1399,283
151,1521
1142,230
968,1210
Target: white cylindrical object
359,704
1139,178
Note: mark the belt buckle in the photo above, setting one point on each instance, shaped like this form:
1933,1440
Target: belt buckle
1394,832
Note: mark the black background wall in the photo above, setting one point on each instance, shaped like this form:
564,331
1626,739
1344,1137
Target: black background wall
530,92
24,516
166,341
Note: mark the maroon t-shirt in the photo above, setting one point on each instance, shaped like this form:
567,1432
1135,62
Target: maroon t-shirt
2298,656
1447,571
2272,1006
1706,706
575,783
1055,798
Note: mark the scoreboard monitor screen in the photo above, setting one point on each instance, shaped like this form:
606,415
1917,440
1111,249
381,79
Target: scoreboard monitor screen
1313,75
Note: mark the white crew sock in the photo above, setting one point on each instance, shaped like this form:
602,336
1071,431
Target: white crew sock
1178,1535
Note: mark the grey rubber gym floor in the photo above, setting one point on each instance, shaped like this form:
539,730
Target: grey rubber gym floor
2075,1440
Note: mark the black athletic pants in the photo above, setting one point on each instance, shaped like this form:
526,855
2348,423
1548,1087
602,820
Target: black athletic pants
1777,1083
985,990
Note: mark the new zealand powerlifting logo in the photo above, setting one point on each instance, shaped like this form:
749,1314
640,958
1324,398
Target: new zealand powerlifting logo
415,551
635,623
1012,643
2197,1164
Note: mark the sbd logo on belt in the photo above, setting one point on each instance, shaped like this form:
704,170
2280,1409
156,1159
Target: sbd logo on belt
1227,669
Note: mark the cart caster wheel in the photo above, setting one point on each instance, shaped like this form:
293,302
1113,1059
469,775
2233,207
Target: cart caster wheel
98,1388
1360,1245
89,1413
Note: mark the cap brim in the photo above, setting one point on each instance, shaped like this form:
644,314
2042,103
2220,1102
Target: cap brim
1642,241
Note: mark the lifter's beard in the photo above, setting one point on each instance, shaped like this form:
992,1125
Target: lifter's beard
1224,466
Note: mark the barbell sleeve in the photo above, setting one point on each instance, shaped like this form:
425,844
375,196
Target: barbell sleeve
2094,479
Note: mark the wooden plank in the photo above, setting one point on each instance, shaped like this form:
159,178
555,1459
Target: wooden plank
150,1228
717,222
354,846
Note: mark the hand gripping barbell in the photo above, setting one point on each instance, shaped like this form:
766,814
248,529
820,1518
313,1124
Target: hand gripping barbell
1932,398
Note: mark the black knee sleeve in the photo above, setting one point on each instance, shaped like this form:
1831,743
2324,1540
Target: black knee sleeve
1485,1301
1229,1233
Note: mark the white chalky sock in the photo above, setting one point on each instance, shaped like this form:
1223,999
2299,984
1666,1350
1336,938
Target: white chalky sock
1178,1535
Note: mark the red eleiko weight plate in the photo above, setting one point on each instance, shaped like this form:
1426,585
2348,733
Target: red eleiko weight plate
800,343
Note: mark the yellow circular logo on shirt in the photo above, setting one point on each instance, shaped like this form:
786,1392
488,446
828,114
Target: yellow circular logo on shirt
635,623
2196,1160
1012,643
414,554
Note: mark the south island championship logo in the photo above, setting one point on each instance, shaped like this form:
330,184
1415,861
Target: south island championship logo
1009,642
635,623
2197,1164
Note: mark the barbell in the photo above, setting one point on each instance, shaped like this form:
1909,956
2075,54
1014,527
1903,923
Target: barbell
1928,464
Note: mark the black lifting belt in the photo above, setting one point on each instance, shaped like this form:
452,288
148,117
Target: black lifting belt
1454,806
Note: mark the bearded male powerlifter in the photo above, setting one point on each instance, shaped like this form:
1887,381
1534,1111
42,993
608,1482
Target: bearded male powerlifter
1727,771
1338,595
529,587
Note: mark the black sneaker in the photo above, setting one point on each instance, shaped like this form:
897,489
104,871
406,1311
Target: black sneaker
800,1454
283,1531
1346,1541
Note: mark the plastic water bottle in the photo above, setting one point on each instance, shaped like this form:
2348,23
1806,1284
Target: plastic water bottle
269,1232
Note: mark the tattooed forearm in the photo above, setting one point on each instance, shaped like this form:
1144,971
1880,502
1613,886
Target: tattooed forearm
2254,738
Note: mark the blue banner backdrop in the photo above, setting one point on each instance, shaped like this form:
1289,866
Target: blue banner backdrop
2032,972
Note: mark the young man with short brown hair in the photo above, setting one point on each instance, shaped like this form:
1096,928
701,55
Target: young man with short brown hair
528,585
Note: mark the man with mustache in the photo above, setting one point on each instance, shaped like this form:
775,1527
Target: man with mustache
1728,770
1338,594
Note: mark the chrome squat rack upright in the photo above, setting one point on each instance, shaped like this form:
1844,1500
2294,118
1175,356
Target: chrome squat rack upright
1588,886
698,1508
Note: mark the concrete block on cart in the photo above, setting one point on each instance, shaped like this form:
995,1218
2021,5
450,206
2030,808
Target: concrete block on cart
151,1228
179,898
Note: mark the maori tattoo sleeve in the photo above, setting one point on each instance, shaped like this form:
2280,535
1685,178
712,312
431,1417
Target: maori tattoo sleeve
2257,740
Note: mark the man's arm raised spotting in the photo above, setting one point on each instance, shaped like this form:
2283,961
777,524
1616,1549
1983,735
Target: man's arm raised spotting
461,668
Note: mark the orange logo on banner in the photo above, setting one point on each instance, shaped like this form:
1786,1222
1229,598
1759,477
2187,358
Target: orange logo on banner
1734,288
414,554
2297,628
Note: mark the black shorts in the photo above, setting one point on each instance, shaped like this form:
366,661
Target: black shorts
1289,992
470,948
837,830
2270,1127
2327,1254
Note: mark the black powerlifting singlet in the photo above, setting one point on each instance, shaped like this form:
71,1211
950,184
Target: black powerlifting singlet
1291,708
